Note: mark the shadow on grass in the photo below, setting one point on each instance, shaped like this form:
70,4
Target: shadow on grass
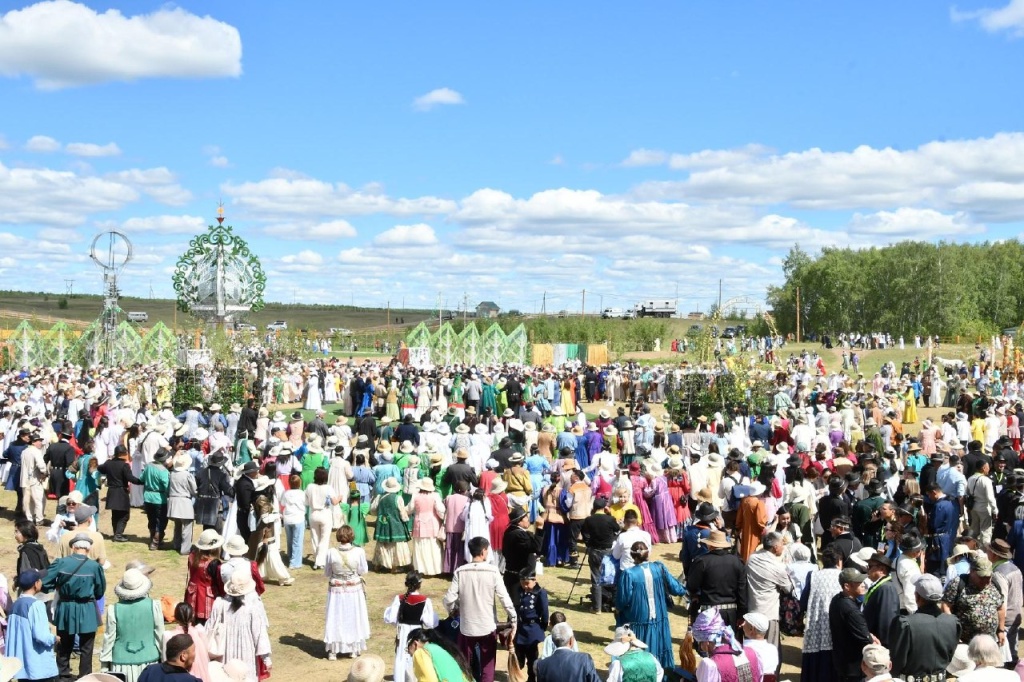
305,644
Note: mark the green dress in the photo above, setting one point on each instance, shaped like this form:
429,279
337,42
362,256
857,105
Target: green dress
390,525
489,399
445,667
310,463
355,517
79,581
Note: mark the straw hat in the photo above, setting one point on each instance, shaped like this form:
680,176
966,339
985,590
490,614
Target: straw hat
480,429
215,407
200,434
262,482
240,584
392,485
134,585
462,428
716,539
406,447
235,407
278,416
209,539
367,668
236,546
548,427
426,485
530,426
181,461
623,641
498,485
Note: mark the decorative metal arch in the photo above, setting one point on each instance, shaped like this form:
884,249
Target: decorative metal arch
742,303
219,276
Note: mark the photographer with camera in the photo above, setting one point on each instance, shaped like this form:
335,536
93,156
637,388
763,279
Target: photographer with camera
599,531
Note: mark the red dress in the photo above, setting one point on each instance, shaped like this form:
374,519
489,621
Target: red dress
679,490
499,522
200,593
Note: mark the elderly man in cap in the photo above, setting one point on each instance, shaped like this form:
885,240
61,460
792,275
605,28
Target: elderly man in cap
882,600
875,663
977,601
922,643
34,475
28,630
1001,555
907,569
79,582
850,633
85,522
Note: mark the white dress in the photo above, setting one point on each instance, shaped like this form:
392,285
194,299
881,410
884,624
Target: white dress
428,619
313,393
477,516
245,631
347,628
138,464
330,392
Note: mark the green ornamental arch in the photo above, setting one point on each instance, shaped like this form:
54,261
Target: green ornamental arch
219,276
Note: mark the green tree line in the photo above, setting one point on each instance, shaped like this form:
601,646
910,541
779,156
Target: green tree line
903,289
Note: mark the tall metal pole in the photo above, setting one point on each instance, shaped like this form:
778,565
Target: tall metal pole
583,304
798,314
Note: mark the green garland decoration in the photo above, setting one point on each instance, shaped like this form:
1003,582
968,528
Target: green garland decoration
203,248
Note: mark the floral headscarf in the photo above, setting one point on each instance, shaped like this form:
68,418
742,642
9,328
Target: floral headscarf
710,627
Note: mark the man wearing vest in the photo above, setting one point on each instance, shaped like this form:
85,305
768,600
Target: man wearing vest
882,600
630,658
78,582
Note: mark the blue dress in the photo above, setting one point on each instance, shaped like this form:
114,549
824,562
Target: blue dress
538,467
364,478
634,604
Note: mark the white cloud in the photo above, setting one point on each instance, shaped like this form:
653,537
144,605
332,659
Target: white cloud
166,224
287,197
63,44
1009,18
557,160
328,231
305,261
407,235
645,157
219,161
42,143
159,184
711,158
958,174
89,149
57,198
911,223
440,96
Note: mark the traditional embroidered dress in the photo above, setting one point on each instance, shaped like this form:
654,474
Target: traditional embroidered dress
408,612
392,532
347,627
641,598
816,662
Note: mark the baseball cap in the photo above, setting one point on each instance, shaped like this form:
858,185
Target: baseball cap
981,565
27,579
928,587
851,575
876,656
757,621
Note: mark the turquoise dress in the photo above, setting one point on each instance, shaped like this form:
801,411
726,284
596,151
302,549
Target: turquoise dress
632,604
79,581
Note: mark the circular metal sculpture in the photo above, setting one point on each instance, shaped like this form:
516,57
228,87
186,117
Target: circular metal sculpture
111,251
219,279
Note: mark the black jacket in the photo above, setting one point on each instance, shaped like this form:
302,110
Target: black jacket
245,491
850,635
247,422
599,531
923,642
119,475
212,484
520,548
60,455
881,607
718,577
460,471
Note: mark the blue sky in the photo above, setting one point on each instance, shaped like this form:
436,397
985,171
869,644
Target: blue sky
373,152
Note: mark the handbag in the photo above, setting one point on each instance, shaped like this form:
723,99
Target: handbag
215,642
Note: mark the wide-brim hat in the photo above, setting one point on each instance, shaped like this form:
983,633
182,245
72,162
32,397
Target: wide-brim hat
209,539
367,668
480,429
621,645
914,447
961,662
235,546
180,430
181,461
462,428
134,585
262,482
240,584
216,407
470,410
530,426
1001,549
498,485
406,447
391,485
426,485
516,514
557,412
716,539
296,415
217,458
278,416
548,428
603,414
716,460
516,458
911,543
675,462
706,512
235,407
694,450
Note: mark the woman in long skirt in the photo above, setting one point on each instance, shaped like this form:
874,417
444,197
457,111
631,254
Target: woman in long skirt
478,519
409,611
392,532
129,650
660,502
347,629
244,621
556,531
265,541
454,526
427,512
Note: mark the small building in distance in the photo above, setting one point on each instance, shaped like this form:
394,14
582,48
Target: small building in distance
486,309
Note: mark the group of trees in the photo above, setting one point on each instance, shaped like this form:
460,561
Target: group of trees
903,289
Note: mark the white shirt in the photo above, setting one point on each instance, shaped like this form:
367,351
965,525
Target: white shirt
623,543
767,654
907,570
293,506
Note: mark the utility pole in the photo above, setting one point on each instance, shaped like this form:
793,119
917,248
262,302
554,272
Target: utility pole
583,305
798,314
70,288
719,296
600,306
544,304
465,306
389,318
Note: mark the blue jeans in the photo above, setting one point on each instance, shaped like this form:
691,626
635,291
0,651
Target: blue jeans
295,534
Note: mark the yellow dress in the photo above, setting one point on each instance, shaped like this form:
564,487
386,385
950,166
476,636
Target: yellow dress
910,411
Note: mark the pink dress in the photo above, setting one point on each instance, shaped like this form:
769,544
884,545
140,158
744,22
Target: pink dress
646,519
928,441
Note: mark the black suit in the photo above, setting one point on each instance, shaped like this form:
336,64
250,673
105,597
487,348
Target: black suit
59,456
520,549
923,642
245,491
850,635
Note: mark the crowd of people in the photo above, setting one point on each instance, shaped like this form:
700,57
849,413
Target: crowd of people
891,550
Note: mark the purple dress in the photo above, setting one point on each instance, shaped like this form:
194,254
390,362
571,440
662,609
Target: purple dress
662,509
646,519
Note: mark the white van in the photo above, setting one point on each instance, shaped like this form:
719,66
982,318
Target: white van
610,313
138,317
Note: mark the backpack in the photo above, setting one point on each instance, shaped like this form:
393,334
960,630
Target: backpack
565,501
733,503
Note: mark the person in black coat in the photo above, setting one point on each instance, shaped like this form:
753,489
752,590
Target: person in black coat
247,422
599,531
213,485
718,578
60,456
367,426
843,539
922,643
13,455
407,431
930,471
520,548
850,632
882,600
119,474
832,506
245,492
460,471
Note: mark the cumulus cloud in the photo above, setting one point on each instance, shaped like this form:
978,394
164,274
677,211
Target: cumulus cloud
407,235
912,223
89,149
287,197
328,231
42,143
645,157
438,97
58,198
994,20
160,184
61,44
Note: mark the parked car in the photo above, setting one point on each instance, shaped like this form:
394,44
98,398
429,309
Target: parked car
729,333
694,330
277,326
563,313
611,313
244,327
138,317
339,331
